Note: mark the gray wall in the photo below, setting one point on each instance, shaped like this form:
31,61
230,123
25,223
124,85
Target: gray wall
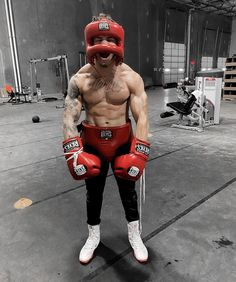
211,36
48,28
233,41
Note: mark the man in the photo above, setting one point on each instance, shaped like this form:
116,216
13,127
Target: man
107,88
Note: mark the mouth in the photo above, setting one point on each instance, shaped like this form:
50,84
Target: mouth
104,55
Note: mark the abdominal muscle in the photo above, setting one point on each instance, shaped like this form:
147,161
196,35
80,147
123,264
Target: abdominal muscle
107,115
107,105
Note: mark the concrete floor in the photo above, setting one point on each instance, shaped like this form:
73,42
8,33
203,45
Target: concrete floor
189,217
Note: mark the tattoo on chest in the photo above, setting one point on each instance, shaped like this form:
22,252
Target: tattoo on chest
108,86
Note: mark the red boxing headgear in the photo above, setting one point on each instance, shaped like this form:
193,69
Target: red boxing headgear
104,26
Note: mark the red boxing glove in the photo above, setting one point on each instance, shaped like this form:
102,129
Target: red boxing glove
82,165
131,166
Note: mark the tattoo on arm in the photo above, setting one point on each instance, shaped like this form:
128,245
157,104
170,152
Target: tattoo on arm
69,131
72,111
73,90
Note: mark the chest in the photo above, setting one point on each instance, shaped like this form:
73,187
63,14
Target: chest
113,91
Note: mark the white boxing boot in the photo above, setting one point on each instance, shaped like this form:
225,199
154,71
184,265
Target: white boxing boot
140,251
86,253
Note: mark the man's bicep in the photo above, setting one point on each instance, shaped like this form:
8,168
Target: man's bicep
73,101
73,90
138,97
72,110
72,107
138,104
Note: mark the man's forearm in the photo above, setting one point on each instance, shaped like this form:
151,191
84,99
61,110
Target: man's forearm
69,128
142,128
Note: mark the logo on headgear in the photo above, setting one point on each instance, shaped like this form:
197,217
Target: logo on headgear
103,26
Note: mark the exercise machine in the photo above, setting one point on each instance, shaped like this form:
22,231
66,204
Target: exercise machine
15,97
82,59
195,112
210,83
61,68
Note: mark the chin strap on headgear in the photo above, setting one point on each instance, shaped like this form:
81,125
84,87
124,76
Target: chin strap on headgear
104,26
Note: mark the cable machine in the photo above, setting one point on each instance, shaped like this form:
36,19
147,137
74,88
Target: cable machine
82,59
62,63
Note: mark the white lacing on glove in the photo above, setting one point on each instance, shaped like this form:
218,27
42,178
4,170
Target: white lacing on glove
78,168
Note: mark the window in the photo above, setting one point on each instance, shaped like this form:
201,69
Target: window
174,62
206,63
221,63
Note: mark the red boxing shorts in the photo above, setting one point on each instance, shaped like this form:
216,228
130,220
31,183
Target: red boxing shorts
106,140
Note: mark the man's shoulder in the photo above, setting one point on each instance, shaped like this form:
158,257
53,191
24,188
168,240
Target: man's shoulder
85,70
125,67
131,76
127,70
82,73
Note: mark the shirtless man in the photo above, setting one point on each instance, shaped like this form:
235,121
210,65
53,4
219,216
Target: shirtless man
107,88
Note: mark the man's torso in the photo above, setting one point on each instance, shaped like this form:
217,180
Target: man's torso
106,99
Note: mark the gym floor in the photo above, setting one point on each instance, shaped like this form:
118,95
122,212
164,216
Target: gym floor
188,219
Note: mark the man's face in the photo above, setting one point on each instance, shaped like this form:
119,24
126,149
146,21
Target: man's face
104,58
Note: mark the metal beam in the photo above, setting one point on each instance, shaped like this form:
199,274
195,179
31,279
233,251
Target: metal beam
220,7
